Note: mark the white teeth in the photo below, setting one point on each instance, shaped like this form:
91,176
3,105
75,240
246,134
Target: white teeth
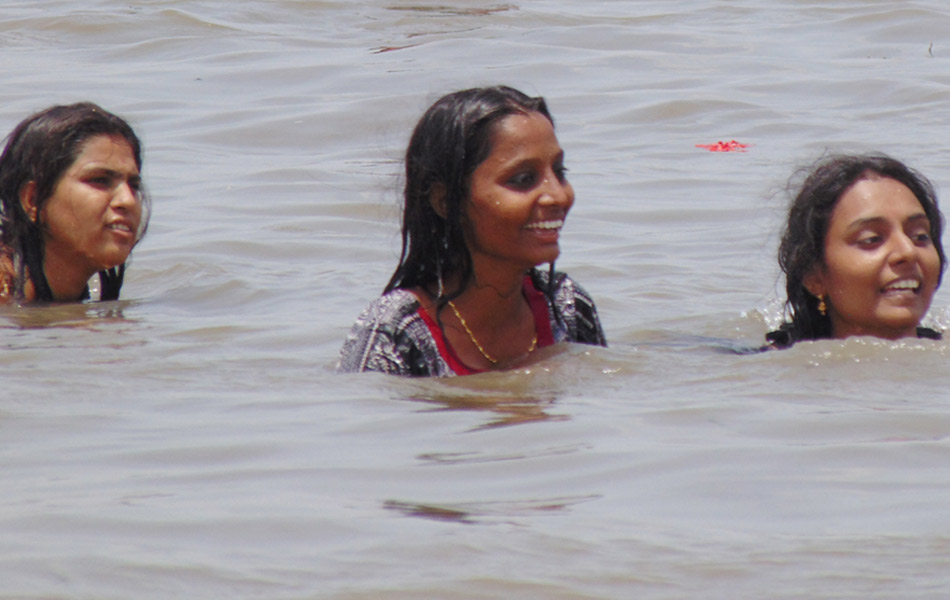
120,227
903,284
547,225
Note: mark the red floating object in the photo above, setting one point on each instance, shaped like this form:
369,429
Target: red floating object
730,146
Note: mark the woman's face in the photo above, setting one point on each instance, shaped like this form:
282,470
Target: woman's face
881,267
91,220
519,196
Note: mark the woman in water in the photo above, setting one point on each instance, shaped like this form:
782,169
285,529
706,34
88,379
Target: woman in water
71,204
861,252
486,196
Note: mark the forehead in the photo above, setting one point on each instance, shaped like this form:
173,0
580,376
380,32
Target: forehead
875,197
114,150
520,130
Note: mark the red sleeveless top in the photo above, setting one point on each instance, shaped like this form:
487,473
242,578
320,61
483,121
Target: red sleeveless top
542,323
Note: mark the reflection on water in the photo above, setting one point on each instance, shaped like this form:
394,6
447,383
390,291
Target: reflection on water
452,11
528,394
442,20
92,316
505,410
473,512
490,456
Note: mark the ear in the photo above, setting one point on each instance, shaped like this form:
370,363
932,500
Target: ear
437,195
28,199
814,282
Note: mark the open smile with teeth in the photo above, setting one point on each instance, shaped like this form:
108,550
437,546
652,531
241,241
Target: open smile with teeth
121,227
911,285
547,225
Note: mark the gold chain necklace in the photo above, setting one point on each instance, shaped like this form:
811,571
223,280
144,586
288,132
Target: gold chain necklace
494,361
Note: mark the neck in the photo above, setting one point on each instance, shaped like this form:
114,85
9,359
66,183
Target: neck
66,280
493,293
494,306
490,317
502,277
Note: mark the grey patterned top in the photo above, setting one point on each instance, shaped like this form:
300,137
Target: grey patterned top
393,336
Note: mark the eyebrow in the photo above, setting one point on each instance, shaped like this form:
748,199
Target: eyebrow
109,172
558,156
859,223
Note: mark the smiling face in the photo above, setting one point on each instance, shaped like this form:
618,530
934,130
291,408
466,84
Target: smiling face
881,267
519,197
91,220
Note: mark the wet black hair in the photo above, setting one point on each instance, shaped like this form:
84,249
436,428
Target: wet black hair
809,216
40,149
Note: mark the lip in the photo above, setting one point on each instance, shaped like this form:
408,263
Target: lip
553,225
903,285
122,227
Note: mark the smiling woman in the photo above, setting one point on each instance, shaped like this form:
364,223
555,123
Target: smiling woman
486,197
72,204
861,252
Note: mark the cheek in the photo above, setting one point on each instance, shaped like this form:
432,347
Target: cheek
71,218
58,216
486,214
933,270
850,278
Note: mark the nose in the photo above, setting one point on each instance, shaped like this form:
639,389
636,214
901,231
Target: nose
557,192
903,248
125,196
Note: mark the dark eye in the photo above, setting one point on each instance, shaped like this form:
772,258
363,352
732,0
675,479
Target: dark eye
922,237
560,171
523,180
870,241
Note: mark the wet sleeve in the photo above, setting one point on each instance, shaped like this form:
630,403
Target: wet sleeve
375,344
390,337
588,329
370,347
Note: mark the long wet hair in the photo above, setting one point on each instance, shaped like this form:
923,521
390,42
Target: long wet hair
802,248
451,140
40,149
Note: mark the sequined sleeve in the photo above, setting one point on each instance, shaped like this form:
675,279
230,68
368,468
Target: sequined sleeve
391,337
579,320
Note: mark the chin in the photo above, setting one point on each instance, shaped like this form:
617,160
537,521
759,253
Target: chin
899,329
108,264
112,259
549,257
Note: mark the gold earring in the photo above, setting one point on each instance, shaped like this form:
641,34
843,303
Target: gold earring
822,307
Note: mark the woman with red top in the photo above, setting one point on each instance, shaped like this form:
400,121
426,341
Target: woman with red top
486,197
